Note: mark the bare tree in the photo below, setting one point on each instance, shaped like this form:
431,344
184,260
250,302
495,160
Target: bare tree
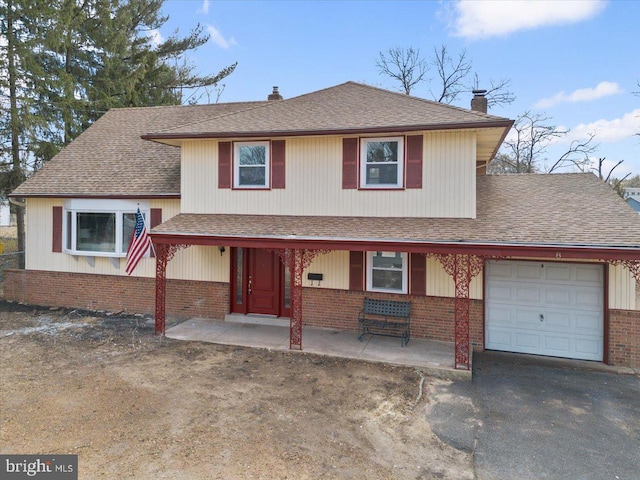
498,92
617,184
532,135
403,64
577,155
451,74
409,67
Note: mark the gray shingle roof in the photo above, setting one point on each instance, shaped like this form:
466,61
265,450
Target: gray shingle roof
512,209
110,159
349,107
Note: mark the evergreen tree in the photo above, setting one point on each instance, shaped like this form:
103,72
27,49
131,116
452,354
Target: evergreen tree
63,63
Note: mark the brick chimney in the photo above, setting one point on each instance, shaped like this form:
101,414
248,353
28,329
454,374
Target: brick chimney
479,101
275,95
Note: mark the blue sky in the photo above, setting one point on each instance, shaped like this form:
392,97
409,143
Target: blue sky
577,62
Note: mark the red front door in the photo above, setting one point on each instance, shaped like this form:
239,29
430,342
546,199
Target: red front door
263,286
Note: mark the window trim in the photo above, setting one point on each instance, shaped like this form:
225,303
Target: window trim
362,183
118,207
405,274
267,165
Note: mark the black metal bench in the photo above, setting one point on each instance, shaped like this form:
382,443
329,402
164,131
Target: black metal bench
385,317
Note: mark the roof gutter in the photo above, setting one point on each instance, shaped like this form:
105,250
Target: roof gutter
16,202
489,249
344,131
78,195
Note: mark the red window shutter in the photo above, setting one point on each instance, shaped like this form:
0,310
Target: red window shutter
356,271
277,164
57,230
349,163
418,274
224,164
414,161
155,219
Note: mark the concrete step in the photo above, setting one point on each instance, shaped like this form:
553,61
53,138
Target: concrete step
257,319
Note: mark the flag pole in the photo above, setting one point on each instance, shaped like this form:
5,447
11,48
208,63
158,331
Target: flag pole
144,221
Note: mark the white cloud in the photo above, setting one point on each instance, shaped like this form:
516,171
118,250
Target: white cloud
606,131
218,39
156,37
477,19
603,89
205,7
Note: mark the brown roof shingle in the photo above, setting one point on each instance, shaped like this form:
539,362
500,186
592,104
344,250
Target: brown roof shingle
564,210
349,107
110,159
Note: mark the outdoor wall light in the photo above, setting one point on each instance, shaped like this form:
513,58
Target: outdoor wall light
222,250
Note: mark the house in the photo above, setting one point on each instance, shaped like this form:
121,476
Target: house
634,204
301,207
632,192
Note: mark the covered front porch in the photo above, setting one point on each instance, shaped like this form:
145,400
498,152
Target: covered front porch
431,357
309,237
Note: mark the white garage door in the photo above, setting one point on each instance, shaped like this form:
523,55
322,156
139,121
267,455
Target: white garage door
553,309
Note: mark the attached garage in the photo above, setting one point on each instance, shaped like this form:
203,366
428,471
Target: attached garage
545,308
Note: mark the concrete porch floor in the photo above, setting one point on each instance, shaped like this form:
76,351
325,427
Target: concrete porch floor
431,357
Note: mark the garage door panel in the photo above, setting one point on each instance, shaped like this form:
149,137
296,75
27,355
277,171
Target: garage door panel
501,338
526,318
527,294
500,316
558,296
570,298
531,271
588,323
527,340
588,349
500,291
559,344
502,270
556,320
587,274
588,298
558,272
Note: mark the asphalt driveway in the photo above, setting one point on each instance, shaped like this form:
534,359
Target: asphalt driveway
534,418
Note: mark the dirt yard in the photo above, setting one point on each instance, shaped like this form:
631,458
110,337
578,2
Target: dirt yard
132,405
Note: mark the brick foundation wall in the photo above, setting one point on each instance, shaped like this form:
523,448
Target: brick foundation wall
185,299
431,317
624,338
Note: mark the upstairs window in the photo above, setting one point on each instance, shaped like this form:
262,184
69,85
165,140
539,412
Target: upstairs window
382,162
251,165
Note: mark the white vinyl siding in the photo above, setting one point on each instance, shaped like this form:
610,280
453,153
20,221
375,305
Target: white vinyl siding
621,288
193,263
314,182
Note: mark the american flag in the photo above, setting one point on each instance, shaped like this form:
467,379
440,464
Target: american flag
139,244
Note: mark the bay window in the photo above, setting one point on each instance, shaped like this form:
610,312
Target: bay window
100,227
